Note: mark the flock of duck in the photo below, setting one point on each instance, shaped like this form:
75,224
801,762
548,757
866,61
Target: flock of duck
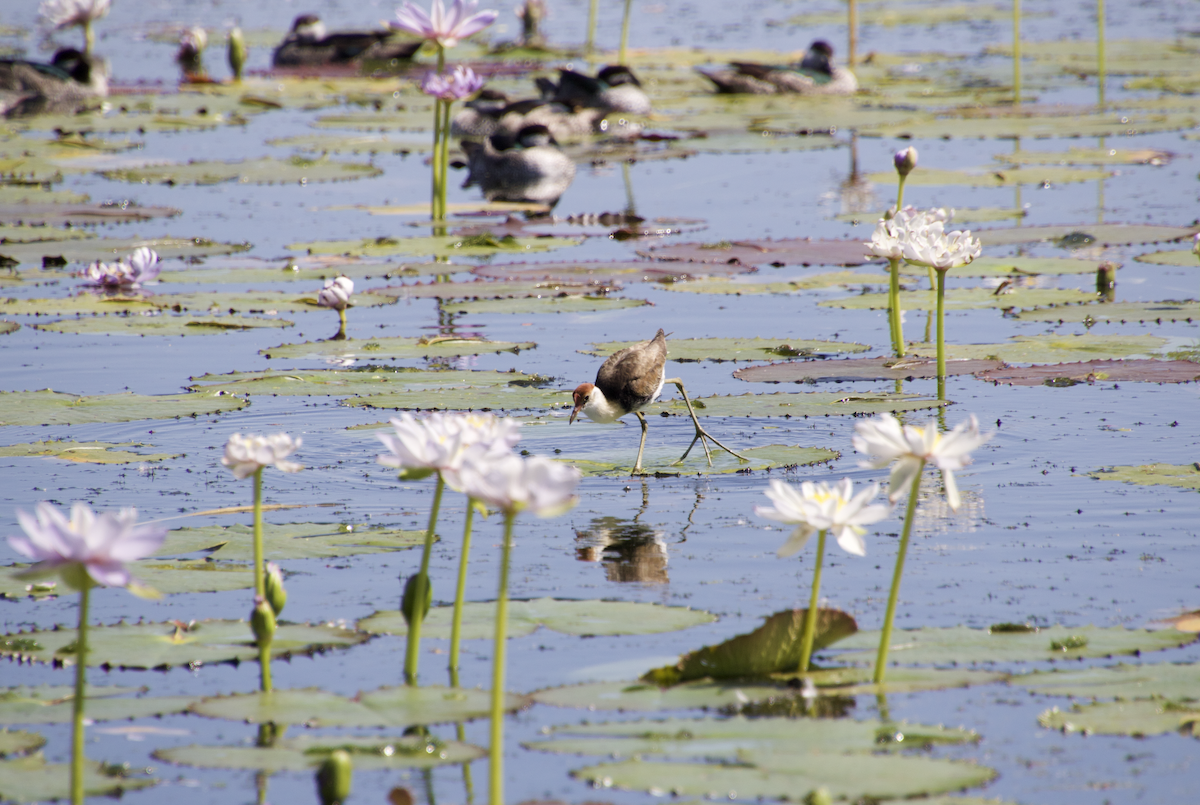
511,145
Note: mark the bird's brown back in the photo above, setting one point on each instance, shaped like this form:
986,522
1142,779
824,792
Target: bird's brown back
630,377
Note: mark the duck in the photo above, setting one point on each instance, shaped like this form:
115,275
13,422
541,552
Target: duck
814,75
70,83
528,167
486,117
614,89
308,44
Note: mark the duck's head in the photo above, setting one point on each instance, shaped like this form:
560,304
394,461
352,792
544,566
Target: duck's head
535,135
308,28
818,58
616,75
91,71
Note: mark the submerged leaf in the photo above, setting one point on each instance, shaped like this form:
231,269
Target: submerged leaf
789,251
443,246
967,299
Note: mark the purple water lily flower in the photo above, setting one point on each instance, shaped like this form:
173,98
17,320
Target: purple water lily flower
140,268
441,26
454,86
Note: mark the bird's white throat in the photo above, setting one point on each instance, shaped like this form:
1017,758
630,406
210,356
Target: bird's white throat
598,408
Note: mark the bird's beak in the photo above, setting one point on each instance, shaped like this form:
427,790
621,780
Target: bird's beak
574,414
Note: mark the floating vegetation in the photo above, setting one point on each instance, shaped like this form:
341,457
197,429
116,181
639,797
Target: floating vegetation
47,407
736,349
1185,476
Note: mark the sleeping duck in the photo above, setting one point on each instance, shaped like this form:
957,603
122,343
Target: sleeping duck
814,75
308,44
527,167
71,82
614,89
484,117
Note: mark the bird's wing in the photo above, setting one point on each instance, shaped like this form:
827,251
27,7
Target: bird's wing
631,377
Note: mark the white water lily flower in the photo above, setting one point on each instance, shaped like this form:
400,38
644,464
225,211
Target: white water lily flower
933,246
442,26
910,446
512,484
821,507
336,293
246,455
87,546
886,240
139,268
68,13
1196,244
439,442
899,228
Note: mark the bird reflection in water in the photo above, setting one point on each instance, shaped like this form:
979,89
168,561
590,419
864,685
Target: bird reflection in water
629,550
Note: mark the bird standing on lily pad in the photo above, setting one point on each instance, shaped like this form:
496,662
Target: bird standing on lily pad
816,74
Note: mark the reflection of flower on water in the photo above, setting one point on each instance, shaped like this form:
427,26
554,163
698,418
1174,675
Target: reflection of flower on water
934,515
630,551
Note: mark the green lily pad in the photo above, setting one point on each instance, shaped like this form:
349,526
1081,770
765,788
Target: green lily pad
385,707
859,369
86,251
993,176
962,645
1099,234
305,752
193,576
805,404
161,325
735,349
31,779
721,285
1067,374
1137,719
265,170
445,245
962,215
504,289
84,303
163,645
44,213
55,704
48,407
892,16
1176,681
395,348
83,452
1088,156
414,117
583,618
787,251
966,299
421,208
771,648
19,742
660,460
784,775
725,739
1107,124
549,304
25,233
1184,476
357,144
338,383
288,541
268,302
1019,266
36,193
1053,348
469,399
535,279
7,327
742,141
300,269
1173,258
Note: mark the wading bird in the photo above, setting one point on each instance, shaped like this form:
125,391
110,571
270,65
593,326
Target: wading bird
630,380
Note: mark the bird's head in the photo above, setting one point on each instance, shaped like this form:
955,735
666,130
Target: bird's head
582,393
308,28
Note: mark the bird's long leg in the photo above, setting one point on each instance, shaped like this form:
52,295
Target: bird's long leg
637,466
701,433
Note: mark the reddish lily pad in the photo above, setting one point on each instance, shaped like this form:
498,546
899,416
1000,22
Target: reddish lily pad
80,214
1099,234
508,289
791,251
603,272
1069,374
861,369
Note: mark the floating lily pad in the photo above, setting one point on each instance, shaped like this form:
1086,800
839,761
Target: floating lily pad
1053,348
27,233
860,369
265,170
1147,371
7,327
963,646
452,208
386,707
415,117
773,647
1109,124
314,269
889,16
75,214
1138,719
792,251
469,399
288,541
962,215
161,325
584,618
19,742
783,775
1173,258
193,576
36,193
31,779
306,752
1184,476
1123,312
660,460
993,176
86,251
550,304
1018,266
1088,156
601,274
721,285
445,245
1176,681
966,299
83,452
48,407
1086,234
735,349
815,403
54,704
357,144
742,141
84,303
268,302
336,383
504,289
163,645
395,348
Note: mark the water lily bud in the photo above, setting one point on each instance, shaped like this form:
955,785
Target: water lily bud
237,52
819,796
905,161
418,597
1196,245
1106,277
262,621
273,586
333,778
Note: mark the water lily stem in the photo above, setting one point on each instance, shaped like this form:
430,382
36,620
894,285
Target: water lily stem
435,205
444,160
625,31
1016,52
89,38
456,624
413,648
264,666
1101,62
589,45
342,324
894,308
810,620
885,638
941,325
852,24
496,750
259,580
77,704
900,193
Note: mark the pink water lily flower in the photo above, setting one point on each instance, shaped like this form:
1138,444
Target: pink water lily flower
87,546
68,13
246,455
137,269
455,86
336,293
441,26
